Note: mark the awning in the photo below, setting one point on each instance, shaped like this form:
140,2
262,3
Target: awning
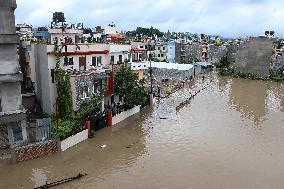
100,76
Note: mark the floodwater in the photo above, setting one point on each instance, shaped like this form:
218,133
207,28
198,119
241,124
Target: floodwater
230,136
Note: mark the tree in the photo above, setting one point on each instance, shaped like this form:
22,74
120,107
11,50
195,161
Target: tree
129,88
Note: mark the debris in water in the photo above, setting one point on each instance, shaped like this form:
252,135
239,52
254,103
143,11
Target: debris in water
130,145
49,185
103,146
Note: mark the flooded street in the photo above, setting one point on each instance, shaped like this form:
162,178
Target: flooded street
230,135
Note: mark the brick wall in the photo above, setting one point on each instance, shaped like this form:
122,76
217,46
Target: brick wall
34,150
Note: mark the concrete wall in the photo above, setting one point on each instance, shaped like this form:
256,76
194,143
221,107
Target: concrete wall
73,140
254,56
7,17
9,59
192,52
11,111
216,53
178,47
45,89
124,115
10,95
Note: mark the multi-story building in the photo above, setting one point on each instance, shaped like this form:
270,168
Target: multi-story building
161,52
119,53
139,52
12,115
87,63
254,56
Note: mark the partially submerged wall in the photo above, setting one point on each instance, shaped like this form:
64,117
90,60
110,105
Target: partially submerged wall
35,150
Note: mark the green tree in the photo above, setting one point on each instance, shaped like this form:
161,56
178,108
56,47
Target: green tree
128,86
64,93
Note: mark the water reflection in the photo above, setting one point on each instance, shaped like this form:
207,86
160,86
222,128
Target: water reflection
253,99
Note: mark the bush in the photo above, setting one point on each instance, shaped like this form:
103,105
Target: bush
63,129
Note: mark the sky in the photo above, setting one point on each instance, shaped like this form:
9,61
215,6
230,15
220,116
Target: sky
228,18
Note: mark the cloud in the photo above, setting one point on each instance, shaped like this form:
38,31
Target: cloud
222,17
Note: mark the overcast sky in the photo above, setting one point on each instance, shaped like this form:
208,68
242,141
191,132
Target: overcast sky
229,18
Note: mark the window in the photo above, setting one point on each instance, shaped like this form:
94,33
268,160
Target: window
120,58
159,55
99,60
65,61
71,61
17,132
96,88
86,92
111,59
52,74
164,48
159,48
83,93
141,47
162,55
82,63
94,61
0,106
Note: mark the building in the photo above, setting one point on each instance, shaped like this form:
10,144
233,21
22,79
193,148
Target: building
12,115
87,63
110,29
139,51
161,52
254,56
119,53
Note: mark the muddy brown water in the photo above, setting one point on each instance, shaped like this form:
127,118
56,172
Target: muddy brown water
231,136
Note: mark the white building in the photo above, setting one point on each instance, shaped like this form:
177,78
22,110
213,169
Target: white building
119,53
110,29
161,52
139,51
83,60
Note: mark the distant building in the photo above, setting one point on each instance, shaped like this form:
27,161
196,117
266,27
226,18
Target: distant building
119,53
110,29
254,56
161,52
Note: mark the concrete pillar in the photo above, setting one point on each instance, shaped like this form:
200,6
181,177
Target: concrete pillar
109,119
10,76
24,130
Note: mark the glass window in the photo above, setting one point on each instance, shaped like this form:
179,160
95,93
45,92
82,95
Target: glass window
86,92
99,60
71,61
94,61
82,63
111,59
120,58
17,132
65,61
